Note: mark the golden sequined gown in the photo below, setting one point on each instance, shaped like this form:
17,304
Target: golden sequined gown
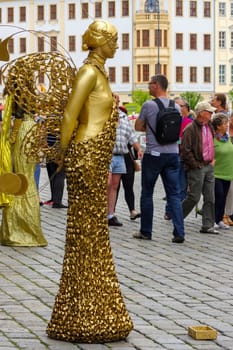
21,224
89,306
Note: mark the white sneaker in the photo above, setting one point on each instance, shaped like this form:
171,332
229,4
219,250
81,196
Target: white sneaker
216,226
223,226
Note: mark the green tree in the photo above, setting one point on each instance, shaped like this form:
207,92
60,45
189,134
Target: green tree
230,94
139,97
192,98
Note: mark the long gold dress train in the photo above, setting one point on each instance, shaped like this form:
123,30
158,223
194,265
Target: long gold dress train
21,224
89,306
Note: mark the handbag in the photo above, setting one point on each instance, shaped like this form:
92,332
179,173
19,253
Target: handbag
137,166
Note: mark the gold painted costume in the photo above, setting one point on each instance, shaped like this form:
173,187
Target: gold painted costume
21,224
89,306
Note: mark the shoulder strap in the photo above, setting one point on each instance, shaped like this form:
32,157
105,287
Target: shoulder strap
161,107
152,130
171,103
159,103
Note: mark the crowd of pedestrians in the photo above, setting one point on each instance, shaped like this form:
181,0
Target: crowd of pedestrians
195,168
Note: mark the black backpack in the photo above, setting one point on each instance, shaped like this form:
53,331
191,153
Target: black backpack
168,123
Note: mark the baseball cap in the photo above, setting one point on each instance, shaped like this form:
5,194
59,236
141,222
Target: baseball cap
204,106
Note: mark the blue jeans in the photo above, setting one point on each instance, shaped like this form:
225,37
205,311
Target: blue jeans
167,166
37,175
183,185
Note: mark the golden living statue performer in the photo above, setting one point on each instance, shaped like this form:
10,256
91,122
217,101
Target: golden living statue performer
21,225
89,306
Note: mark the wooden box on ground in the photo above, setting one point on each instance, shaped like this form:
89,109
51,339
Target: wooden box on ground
202,332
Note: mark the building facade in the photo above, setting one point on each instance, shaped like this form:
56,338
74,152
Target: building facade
191,42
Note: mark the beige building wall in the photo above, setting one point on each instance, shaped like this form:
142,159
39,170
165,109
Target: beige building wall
224,56
151,55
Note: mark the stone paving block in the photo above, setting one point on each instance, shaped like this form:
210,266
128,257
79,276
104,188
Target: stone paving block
59,345
32,344
94,346
167,287
180,347
5,342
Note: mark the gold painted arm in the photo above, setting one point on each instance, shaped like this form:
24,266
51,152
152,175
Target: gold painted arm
83,84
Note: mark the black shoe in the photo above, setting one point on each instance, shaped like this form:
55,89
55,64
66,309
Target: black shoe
199,212
114,222
167,217
135,216
177,239
59,206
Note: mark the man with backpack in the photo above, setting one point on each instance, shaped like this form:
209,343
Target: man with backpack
161,121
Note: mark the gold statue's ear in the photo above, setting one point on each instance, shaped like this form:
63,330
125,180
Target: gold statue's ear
4,54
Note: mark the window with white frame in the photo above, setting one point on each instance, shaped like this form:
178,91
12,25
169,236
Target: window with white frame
179,8
222,9
207,74
125,74
71,11
193,9
193,74
231,43
206,42
207,8
179,74
125,41
232,74
112,74
222,40
222,73
231,9
98,9
53,12
145,72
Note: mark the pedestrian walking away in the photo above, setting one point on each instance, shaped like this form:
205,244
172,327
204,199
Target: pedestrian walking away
124,135
158,160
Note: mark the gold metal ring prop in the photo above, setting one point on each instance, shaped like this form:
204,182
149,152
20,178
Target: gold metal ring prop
22,79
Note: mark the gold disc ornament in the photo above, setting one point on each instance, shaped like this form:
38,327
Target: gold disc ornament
24,184
10,183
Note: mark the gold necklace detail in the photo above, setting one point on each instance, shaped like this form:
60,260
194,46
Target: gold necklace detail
97,61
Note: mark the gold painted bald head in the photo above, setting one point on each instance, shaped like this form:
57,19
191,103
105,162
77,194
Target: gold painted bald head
98,34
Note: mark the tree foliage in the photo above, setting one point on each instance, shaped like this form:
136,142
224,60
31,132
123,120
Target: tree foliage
192,98
230,94
139,97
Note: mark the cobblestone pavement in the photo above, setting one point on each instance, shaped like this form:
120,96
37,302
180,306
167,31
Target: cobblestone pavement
167,287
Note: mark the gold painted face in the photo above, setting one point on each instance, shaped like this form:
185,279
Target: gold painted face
113,42
109,48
